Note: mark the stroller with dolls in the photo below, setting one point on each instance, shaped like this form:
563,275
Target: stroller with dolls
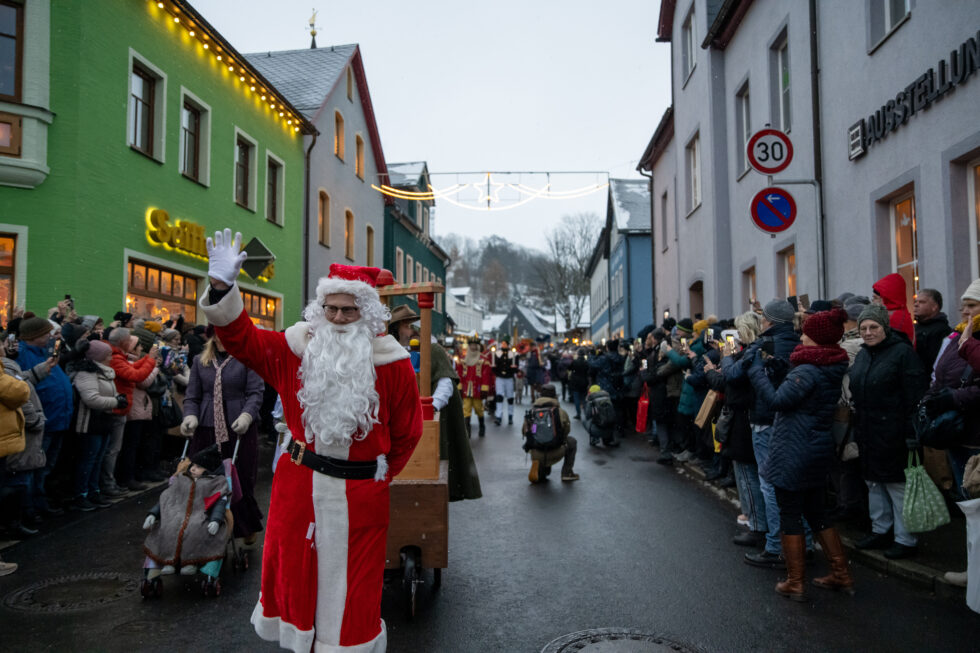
190,528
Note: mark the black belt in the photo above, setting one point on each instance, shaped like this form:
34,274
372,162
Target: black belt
349,469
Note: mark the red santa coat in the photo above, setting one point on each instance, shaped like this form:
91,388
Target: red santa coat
324,552
475,380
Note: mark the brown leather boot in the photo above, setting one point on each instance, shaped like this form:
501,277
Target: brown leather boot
839,578
794,552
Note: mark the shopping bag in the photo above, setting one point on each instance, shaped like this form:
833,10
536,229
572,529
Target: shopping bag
642,409
925,508
710,408
971,477
971,509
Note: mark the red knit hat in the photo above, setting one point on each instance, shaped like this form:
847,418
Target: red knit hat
826,327
355,273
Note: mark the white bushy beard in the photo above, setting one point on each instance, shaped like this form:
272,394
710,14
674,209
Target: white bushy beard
338,397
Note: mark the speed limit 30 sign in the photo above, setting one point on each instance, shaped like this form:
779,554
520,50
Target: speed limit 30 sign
769,151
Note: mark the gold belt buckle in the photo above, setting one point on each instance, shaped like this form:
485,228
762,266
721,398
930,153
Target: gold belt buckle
298,459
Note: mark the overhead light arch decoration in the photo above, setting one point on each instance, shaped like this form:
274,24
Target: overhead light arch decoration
489,194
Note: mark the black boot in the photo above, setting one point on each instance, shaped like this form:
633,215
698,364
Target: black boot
483,427
468,427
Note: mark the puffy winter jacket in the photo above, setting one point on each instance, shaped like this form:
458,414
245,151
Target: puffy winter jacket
779,341
608,370
929,336
801,449
32,457
892,290
738,399
578,379
96,385
129,374
886,383
948,372
54,390
689,403
14,393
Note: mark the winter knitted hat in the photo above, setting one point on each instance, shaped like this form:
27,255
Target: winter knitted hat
89,321
819,305
686,325
972,291
700,326
876,313
854,305
145,336
779,311
843,297
209,459
826,327
98,351
152,327
34,327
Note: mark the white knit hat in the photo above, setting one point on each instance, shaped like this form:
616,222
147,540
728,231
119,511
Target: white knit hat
972,291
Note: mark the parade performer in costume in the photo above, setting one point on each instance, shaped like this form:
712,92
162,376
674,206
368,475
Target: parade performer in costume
475,376
351,404
504,368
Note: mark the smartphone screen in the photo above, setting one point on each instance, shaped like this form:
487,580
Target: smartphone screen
730,339
684,342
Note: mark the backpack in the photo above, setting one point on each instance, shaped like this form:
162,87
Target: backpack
603,412
542,428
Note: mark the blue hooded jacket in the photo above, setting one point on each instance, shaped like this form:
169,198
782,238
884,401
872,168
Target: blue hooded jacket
55,391
779,340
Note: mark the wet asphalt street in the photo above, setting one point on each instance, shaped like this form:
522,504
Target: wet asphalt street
632,544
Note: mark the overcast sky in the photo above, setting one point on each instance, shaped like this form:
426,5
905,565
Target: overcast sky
512,85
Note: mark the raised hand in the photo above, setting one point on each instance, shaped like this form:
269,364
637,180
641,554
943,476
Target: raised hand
225,257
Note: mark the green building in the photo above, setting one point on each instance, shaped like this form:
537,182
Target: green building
129,131
409,250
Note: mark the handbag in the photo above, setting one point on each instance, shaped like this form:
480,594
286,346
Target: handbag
710,408
971,477
170,413
642,410
723,427
924,509
944,430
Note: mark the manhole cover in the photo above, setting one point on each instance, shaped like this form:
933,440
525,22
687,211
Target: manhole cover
618,640
72,593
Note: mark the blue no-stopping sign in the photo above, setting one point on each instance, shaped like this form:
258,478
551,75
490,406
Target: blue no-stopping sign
773,210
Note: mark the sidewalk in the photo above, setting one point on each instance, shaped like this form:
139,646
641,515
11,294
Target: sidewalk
940,551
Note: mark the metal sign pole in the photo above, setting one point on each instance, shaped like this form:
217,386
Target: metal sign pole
821,262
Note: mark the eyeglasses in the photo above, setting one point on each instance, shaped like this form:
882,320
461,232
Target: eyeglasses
348,311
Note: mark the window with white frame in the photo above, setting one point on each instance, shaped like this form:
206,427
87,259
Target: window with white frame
663,221
349,234
748,286
692,155
885,16
782,116
146,118
973,188
246,168
689,44
787,271
338,135
350,84
418,272
369,243
11,50
275,200
359,156
409,270
323,218
399,265
905,247
743,131
195,138
438,281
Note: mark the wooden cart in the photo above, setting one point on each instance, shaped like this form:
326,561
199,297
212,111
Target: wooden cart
418,530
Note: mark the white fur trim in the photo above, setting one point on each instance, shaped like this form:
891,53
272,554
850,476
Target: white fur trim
298,337
327,286
330,512
382,472
274,629
226,310
377,645
387,350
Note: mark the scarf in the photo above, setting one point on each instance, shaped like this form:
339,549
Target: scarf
819,355
220,423
962,325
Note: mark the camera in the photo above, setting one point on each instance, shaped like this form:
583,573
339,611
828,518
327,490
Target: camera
70,302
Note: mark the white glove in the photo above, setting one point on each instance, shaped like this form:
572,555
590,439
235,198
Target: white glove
148,522
241,424
225,257
213,527
188,426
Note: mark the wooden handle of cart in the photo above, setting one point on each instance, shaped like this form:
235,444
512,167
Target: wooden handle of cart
426,300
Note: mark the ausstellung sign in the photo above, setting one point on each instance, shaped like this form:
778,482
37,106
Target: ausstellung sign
926,89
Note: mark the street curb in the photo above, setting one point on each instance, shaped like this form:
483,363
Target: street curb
907,571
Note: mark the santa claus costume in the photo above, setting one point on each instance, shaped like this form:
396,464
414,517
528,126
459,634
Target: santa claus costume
475,376
324,553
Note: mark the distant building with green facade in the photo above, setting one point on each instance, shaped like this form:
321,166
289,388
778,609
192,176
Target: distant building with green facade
129,132
409,250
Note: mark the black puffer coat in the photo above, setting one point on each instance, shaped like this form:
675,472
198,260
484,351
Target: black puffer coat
802,448
778,341
886,383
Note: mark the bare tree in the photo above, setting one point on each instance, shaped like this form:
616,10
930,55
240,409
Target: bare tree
494,285
563,272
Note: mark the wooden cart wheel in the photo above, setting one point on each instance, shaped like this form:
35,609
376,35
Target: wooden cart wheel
411,578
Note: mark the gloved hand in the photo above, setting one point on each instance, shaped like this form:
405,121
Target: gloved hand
121,401
241,424
149,522
188,426
940,402
225,257
213,527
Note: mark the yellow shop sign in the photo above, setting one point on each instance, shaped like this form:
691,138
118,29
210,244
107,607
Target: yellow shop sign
184,237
